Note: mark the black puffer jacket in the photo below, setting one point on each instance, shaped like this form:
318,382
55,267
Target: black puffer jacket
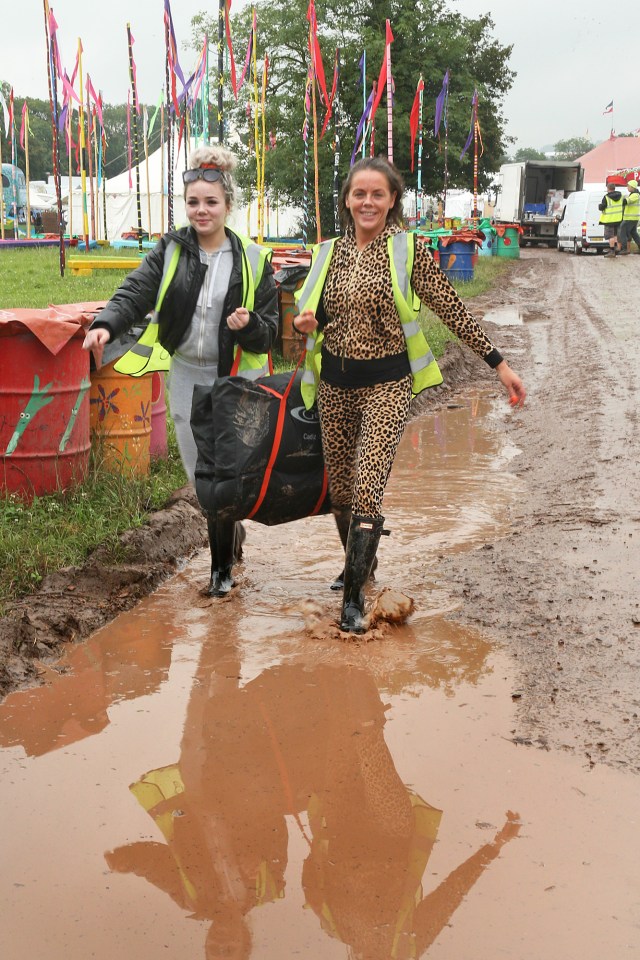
137,297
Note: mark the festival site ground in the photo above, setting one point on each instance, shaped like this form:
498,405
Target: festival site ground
188,778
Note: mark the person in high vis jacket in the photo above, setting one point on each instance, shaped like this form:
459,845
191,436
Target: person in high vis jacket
214,312
367,357
630,217
611,210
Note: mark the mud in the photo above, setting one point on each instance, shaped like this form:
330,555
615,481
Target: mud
558,586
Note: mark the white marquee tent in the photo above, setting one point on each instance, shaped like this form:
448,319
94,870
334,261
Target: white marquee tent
121,205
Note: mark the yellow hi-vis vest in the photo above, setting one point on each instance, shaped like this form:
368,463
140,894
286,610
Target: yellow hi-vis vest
612,212
148,355
424,369
632,207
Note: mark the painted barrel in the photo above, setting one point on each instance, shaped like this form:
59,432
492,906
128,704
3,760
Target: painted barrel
456,259
158,441
44,416
487,247
121,420
508,245
292,342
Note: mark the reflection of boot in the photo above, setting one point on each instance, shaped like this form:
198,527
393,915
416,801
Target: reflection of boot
343,520
225,541
364,536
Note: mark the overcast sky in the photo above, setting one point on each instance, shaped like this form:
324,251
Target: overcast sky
569,62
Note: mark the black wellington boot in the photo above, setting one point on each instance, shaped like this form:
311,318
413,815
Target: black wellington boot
225,542
364,536
343,521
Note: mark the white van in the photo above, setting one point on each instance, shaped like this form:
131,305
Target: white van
580,228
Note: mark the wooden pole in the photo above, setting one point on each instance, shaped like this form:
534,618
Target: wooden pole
162,168
70,185
90,139
146,164
55,140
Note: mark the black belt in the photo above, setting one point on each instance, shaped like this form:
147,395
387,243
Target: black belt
347,372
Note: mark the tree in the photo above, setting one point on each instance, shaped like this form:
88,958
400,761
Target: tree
429,37
572,148
528,153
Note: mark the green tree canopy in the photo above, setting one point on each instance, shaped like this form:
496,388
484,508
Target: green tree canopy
528,153
429,39
572,148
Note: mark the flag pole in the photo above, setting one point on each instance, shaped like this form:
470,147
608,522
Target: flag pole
336,152
146,164
83,147
1,196
446,152
420,128
90,163
364,101
221,22
136,147
55,142
389,97
70,185
26,166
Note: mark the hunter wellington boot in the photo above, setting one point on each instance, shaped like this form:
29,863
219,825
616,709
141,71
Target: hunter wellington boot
364,536
225,541
343,520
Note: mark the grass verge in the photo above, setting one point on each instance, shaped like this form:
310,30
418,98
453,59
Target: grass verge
61,529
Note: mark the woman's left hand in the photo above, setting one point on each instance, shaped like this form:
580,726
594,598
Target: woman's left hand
238,319
513,383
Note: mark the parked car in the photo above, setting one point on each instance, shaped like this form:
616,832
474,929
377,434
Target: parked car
580,228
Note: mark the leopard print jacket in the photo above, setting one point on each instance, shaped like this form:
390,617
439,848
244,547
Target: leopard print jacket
361,317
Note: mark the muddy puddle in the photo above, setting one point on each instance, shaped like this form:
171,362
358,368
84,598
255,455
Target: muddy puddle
215,779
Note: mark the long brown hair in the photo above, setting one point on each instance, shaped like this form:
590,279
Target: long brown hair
394,179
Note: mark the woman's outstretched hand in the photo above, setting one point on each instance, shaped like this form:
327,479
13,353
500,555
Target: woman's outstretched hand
305,322
513,383
95,340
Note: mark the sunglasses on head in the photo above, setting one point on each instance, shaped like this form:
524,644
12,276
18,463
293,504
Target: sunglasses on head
210,174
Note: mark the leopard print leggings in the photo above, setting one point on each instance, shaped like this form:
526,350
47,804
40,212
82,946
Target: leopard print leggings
361,429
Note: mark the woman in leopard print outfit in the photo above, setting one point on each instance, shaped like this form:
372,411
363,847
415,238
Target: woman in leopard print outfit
366,383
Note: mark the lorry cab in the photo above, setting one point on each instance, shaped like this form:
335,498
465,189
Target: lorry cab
532,194
580,229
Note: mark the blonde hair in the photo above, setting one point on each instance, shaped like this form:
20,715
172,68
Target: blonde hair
221,158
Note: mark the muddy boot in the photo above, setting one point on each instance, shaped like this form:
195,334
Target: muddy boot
223,537
343,519
364,536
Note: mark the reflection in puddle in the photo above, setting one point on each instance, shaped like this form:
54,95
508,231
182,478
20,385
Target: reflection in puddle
207,780
508,315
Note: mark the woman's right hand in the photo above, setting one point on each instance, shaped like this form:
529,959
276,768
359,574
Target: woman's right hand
305,322
95,340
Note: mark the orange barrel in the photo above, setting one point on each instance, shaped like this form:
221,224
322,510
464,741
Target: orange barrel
44,416
158,442
121,420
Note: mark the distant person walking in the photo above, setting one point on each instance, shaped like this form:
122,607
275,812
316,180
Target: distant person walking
630,216
611,207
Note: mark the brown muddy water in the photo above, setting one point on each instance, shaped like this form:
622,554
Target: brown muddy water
219,779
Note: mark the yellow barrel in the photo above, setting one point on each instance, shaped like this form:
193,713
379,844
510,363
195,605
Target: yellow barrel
121,420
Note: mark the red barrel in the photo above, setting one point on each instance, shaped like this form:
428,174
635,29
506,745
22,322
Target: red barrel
44,416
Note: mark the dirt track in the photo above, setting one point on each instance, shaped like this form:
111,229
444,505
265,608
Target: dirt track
561,591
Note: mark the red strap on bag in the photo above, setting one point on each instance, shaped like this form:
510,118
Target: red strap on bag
277,439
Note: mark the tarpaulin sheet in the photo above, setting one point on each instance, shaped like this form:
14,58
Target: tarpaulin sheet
53,326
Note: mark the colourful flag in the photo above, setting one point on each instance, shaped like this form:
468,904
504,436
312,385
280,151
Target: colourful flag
608,108
441,104
414,119
249,50
232,62
25,123
334,87
474,120
361,125
5,114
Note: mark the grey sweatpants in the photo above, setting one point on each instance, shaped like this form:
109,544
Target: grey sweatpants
183,377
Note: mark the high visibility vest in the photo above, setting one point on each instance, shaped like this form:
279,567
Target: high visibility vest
612,213
148,355
401,246
632,207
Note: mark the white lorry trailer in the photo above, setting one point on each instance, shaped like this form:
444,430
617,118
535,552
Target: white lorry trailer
533,193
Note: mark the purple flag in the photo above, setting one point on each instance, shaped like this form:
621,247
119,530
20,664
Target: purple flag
474,115
361,125
440,106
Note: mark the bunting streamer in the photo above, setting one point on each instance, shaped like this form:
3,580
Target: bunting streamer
249,55
315,53
332,95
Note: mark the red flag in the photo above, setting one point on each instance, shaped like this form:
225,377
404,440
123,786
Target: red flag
315,53
414,119
382,79
333,93
232,62
25,121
